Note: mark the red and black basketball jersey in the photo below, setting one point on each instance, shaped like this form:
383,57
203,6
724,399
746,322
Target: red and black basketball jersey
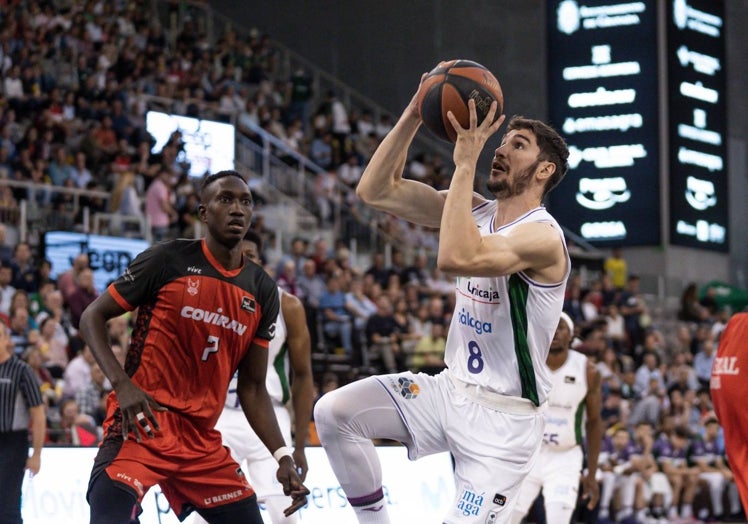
195,323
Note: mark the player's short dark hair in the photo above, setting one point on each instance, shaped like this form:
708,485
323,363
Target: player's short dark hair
253,237
208,180
552,146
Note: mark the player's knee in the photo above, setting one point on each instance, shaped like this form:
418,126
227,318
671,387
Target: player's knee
330,414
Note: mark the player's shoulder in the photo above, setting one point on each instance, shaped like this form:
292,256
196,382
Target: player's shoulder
290,303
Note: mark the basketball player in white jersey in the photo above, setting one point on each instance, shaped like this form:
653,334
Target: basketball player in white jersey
289,350
511,264
576,396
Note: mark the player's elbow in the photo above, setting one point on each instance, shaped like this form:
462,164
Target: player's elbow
451,261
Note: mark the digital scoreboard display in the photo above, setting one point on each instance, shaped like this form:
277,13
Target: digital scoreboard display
603,98
697,123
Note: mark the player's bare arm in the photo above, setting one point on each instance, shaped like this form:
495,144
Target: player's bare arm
302,386
535,247
382,185
258,409
136,405
594,431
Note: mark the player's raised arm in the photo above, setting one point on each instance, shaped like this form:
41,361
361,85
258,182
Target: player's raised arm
382,185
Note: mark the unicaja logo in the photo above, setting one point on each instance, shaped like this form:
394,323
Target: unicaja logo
480,327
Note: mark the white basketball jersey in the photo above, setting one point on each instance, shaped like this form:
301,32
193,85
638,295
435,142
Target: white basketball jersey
564,416
276,382
503,326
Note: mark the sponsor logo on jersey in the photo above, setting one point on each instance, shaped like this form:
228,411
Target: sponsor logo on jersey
248,304
570,380
470,502
193,286
480,327
127,276
407,388
474,291
194,269
726,366
499,499
223,497
216,318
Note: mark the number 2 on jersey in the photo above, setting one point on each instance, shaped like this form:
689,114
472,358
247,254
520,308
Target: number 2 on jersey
475,360
212,348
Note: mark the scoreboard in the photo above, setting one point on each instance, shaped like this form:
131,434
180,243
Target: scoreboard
606,86
697,123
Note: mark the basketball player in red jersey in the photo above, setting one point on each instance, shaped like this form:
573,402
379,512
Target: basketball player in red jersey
729,385
203,312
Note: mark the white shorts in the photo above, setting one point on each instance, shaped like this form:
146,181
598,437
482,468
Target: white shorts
494,439
249,451
558,474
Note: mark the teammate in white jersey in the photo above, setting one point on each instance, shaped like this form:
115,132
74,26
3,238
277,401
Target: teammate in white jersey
576,396
510,258
289,357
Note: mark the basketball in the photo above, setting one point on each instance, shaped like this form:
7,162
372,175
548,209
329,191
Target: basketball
448,87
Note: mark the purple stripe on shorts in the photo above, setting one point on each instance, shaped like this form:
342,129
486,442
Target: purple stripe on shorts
367,499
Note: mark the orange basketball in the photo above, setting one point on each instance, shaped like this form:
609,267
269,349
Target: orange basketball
448,87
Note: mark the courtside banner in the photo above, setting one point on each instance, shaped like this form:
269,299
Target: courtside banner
419,491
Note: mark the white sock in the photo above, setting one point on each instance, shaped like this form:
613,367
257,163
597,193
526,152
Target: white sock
686,511
371,509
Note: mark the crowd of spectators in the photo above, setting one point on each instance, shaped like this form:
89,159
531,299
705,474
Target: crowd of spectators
76,82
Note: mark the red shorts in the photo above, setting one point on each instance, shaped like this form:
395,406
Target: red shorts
729,387
191,465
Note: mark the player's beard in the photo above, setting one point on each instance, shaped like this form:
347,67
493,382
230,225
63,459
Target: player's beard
506,188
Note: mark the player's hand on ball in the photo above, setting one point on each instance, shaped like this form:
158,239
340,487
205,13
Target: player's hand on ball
470,140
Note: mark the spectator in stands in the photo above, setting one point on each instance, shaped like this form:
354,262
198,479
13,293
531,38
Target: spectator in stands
53,305
60,169
288,281
633,308
358,304
298,255
50,393
336,321
378,270
6,288
691,309
617,268
320,150
84,294
125,199
22,335
428,354
671,452
74,428
320,255
159,206
52,348
407,335
80,174
78,372
648,371
6,252
617,469
91,399
383,336
24,271
703,361
707,455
